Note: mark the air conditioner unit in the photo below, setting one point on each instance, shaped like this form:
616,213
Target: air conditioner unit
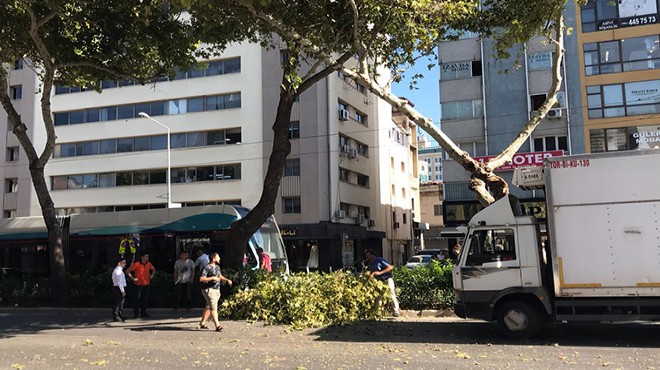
359,219
343,115
371,223
345,148
396,225
352,153
554,113
340,214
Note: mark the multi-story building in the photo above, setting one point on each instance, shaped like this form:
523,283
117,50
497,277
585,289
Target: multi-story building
483,109
345,183
432,156
619,59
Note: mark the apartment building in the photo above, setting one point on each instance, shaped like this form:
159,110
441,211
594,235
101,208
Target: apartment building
108,157
486,102
619,58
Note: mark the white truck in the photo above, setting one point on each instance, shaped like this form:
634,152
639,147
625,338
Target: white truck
601,259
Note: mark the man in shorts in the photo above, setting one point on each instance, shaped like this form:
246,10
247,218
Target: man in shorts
211,279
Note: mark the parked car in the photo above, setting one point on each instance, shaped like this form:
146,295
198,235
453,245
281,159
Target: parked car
417,261
10,272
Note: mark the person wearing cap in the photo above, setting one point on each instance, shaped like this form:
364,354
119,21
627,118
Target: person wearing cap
118,291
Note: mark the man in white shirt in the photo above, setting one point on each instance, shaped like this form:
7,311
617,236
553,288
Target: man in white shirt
184,271
118,291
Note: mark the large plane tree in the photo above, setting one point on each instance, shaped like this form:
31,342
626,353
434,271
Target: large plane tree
79,43
360,37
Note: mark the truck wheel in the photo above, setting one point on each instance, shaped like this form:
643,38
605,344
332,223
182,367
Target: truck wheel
518,320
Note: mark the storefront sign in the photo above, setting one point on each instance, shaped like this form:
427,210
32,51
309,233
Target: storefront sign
456,70
288,232
523,159
643,92
539,61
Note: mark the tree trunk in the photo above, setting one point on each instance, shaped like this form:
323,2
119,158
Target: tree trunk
241,230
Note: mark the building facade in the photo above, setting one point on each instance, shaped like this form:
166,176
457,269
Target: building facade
109,158
483,108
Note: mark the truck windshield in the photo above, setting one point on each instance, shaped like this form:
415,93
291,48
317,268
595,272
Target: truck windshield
491,245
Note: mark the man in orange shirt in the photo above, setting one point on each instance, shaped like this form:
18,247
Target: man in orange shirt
141,273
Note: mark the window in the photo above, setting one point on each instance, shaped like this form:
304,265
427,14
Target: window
548,143
491,245
405,218
11,185
361,117
625,138
363,180
9,213
628,99
16,92
362,149
474,148
599,15
292,167
18,64
437,210
462,109
291,205
633,54
343,174
12,154
294,130
537,101
460,70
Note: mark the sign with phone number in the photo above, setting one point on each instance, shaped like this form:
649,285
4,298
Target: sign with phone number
628,22
573,163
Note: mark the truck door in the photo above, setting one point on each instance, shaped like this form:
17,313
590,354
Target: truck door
488,265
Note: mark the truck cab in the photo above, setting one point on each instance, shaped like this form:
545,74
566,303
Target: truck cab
500,273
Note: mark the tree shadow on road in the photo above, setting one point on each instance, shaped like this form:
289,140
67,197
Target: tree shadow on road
475,332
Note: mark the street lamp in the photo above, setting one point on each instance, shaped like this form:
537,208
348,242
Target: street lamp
169,163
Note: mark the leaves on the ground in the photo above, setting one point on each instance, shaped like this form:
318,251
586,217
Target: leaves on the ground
89,342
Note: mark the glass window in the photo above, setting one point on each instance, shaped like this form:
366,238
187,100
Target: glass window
609,52
125,112
196,72
233,136
142,143
177,106
93,115
616,139
76,117
106,180
232,101
125,145
59,182
61,119
142,107
214,68
90,148
108,114
158,177
178,141
158,108
292,167
196,139
493,245
159,142
214,102
89,181
232,65
108,146
215,137
291,205
140,178
205,173
68,150
294,130
124,178
195,104
75,182
178,175
613,95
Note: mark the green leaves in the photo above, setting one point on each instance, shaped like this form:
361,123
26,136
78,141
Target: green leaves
309,300
425,287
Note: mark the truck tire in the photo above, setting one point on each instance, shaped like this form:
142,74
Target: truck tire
518,320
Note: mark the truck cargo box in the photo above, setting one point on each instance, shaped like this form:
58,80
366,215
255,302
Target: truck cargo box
604,223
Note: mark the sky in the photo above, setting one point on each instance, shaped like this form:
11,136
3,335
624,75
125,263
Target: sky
426,96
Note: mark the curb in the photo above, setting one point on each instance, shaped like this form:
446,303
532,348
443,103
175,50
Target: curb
427,313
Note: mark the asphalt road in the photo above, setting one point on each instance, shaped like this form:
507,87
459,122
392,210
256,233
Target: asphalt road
85,339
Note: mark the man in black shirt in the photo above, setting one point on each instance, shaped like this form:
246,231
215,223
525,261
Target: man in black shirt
211,279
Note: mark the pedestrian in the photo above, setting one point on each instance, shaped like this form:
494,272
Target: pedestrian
211,280
382,271
202,260
141,273
118,291
184,272
264,260
456,252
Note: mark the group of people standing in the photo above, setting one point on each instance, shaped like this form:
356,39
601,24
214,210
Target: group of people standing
142,271
209,277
